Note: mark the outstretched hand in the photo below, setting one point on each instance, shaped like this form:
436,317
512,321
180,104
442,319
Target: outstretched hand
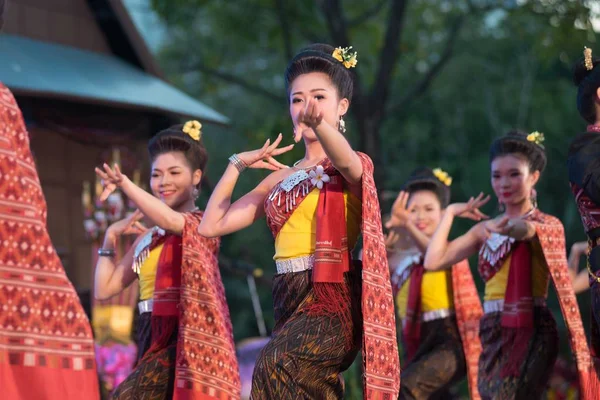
470,209
311,116
400,212
129,225
263,158
112,178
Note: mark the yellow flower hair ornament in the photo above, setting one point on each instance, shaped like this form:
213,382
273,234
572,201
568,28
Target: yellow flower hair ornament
443,176
536,137
192,128
587,59
345,56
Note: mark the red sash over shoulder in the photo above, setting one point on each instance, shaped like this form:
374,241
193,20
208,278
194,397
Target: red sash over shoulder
46,343
381,363
551,235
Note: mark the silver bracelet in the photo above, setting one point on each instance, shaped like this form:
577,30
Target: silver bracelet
106,252
237,163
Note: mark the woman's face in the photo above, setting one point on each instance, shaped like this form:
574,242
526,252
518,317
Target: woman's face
512,179
425,211
315,85
172,179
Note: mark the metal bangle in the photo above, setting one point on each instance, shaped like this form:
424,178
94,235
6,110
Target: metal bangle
106,252
237,163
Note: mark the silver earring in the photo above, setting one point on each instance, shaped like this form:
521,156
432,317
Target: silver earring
342,125
195,193
534,202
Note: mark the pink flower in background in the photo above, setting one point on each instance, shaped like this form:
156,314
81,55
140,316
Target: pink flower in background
115,362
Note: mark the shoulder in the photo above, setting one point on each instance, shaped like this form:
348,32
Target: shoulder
547,220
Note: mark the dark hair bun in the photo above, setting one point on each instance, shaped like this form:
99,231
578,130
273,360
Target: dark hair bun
318,58
424,179
515,142
173,139
580,72
588,82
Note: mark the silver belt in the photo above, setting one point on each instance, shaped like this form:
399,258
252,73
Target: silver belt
145,306
437,314
434,315
297,264
490,306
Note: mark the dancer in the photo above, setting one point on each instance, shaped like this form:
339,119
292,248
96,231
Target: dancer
46,342
518,252
440,310
584,176
315,211
186,341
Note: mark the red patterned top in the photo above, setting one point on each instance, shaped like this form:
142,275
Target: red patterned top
46,343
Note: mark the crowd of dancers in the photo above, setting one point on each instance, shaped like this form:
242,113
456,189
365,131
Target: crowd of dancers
412,286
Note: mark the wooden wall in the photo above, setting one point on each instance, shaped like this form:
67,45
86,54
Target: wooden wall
63,165
67,22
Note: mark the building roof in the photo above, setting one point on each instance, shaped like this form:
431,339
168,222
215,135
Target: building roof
41,69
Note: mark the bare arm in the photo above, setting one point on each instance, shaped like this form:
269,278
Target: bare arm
580,280
337,148
443,254
221,216
112,278
158,212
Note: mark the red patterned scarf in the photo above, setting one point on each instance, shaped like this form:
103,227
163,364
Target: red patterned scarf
46,343
331,247
189,294
551,235
381,364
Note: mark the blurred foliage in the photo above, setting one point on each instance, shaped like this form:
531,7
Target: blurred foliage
508,67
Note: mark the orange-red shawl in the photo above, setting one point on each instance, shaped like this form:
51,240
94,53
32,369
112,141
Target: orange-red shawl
46,343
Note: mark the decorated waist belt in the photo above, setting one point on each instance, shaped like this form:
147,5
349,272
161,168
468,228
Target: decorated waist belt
145,306
490,306
297,264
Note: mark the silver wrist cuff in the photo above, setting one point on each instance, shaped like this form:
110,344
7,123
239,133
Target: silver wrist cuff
239,164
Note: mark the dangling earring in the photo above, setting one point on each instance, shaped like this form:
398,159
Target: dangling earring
534,198
342,125
501,206
195,193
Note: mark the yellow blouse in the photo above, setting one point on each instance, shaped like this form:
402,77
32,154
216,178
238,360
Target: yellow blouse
297,237
147,275
436,292
495,288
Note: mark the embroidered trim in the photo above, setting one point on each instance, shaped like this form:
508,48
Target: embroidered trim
142,250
